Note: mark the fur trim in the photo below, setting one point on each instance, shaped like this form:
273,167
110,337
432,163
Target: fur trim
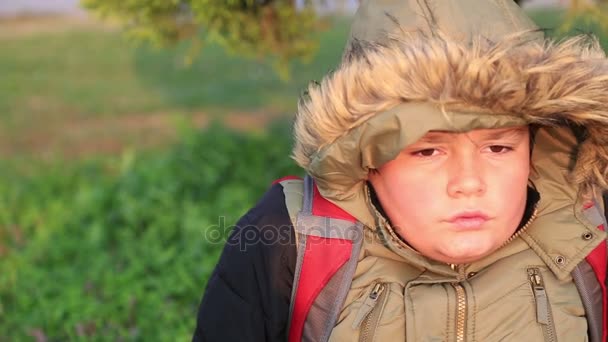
545,82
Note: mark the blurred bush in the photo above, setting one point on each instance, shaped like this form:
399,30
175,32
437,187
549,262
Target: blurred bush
108,249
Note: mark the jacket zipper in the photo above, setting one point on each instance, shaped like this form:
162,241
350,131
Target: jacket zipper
369,314
524,228
461,297
543,309
461,312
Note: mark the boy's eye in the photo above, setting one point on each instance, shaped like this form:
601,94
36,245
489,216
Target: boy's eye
429,152
500,149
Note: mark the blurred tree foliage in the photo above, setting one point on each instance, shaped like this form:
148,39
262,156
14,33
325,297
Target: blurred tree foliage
259,28
252,28
591,12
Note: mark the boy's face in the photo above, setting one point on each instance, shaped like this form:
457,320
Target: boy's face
457,197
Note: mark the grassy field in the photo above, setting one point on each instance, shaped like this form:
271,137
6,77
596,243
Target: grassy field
98,73
93,80
119,247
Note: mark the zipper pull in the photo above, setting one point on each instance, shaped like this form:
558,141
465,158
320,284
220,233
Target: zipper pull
540,296
368,305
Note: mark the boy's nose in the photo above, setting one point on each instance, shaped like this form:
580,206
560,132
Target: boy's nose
465,178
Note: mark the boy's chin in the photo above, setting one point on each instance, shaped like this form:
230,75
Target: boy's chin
461,259
465,254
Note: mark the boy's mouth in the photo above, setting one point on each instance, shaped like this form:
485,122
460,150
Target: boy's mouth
468,219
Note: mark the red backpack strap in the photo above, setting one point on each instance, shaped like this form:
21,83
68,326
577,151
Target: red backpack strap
590,279
329,242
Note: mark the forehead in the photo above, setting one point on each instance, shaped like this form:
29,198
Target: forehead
478,134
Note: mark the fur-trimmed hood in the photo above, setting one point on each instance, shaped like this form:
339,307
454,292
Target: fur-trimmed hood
412,66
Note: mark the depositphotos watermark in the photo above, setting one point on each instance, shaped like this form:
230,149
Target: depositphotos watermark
326,231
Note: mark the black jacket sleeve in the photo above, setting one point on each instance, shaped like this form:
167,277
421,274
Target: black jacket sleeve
247,297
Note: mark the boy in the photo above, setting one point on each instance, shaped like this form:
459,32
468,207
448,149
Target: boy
471,152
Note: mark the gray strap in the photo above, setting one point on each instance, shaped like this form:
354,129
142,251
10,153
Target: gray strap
296,277
594,215
308,195
309,224
324,312
343,285
605,203
327,227
592,298
300,243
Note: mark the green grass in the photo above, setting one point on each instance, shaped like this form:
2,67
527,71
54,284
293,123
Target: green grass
121,248
98,73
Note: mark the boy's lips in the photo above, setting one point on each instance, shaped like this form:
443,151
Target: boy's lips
468,219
